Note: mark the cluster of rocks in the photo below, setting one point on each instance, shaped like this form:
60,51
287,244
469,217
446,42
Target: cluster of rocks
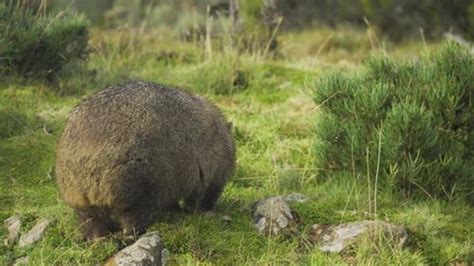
147,250
273,216
13,225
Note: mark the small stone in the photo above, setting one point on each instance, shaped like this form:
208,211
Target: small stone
209,214
295,197
22,261
47,130
336,238
35,234
13,225
227,218
272,215
148,250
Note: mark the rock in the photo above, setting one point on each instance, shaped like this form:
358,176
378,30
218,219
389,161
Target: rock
22,261
272,215
459,40
295,197
47,130
35,234
13,225
148,250
336,238
226,218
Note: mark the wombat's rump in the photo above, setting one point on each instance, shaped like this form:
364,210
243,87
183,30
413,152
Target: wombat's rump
134,149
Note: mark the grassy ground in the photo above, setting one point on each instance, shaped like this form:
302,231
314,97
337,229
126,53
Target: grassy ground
269,102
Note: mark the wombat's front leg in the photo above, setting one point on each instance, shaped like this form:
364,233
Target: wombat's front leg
207,200
91,226
135,221
210,197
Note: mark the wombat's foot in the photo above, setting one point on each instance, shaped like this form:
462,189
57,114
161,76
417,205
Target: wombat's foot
207,201
92,228
134,223
132,231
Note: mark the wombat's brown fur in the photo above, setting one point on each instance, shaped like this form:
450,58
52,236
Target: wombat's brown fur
134,149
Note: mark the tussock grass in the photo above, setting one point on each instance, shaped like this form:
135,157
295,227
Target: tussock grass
36,45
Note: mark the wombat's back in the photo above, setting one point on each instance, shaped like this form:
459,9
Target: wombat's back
142,145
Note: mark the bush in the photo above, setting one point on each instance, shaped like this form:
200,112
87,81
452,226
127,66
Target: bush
417,115
11,123
39,46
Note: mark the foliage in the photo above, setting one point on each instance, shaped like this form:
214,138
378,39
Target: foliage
400,19
413,121
37,45
394,18
304,13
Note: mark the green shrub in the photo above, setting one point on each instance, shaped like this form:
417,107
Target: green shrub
39,46
11,123
417,115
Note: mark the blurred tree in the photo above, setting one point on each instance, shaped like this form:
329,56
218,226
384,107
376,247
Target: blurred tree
304,13
39,45
396,18
402,18
95,9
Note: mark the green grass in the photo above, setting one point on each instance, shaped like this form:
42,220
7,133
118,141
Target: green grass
273,116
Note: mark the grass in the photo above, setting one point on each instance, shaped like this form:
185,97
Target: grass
273,117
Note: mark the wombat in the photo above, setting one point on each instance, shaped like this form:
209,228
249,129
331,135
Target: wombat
132,150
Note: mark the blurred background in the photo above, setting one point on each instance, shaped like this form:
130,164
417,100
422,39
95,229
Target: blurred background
396,19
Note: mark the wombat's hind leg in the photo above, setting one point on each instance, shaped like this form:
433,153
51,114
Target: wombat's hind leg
91,225
134,221
210,197
207,200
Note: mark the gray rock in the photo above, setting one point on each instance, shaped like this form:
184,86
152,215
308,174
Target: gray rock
35,234
227,218
295,197
460,40
336,238
22,261
148,250
272,215
13,225
47,130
